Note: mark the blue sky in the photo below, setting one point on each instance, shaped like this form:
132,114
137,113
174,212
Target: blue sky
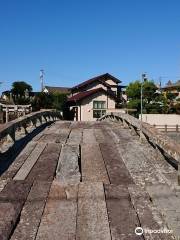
76,40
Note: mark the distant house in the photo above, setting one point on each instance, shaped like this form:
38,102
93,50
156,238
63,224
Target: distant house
48,89
172,88
8,96
91,99
3,101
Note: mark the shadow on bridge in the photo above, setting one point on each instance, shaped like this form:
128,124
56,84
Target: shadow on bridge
7,158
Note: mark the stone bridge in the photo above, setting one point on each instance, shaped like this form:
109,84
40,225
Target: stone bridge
99,180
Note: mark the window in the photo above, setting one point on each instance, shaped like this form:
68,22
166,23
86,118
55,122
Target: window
99,109
99,104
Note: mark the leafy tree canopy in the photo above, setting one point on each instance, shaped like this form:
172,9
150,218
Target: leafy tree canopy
152,99
134,90
20,87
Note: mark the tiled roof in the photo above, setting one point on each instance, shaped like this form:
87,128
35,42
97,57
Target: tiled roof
85,94
172,85
101,78
57,89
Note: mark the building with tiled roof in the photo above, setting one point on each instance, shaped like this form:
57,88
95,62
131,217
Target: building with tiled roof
172,88
53,90
92,98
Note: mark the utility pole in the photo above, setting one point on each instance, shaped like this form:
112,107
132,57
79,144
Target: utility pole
42,79
143,78
1,83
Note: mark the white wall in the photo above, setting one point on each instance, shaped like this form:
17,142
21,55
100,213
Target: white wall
161,119
87,105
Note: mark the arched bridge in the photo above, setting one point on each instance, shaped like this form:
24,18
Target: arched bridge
110,179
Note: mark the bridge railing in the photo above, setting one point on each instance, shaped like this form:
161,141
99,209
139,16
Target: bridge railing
150,133
35,119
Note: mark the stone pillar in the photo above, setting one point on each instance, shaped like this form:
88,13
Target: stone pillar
133,131
125,124
24,111
7,115
178,174
143,138
177,128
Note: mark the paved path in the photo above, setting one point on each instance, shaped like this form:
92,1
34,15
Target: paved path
88,181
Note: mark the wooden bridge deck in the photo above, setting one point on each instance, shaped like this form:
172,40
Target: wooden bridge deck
88,181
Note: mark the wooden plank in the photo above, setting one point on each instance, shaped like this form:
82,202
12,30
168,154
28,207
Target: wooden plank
12,199
92,164
117,171
32,212
122,216
92,219
59,217
68,171
45,167
29,163
89,136
19,161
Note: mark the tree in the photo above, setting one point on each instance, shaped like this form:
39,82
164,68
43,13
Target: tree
20,88
152,100
177,108
59,101
20,91
42,100
51,101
